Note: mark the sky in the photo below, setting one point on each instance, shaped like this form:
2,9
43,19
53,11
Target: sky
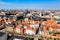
29,4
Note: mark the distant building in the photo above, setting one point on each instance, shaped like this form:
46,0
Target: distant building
2,13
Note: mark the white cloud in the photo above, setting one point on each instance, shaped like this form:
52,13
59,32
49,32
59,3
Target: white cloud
4,3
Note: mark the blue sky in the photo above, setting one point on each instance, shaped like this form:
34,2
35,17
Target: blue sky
29,4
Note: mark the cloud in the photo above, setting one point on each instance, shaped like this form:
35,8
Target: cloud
4,3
